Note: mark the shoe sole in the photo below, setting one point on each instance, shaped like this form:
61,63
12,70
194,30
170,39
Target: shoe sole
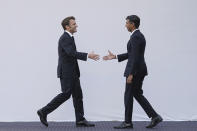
128,127
85,126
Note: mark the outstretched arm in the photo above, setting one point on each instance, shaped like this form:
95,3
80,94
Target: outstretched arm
71,51
122,57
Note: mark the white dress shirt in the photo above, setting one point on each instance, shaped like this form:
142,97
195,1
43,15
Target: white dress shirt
71,35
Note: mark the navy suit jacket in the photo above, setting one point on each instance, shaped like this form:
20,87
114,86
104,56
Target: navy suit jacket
136,64
68,55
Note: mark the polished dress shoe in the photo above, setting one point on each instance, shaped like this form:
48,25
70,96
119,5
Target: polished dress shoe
124,125
43,118
84,123
155,121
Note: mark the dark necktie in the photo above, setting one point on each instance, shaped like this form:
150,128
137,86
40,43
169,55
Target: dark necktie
73,41
73,38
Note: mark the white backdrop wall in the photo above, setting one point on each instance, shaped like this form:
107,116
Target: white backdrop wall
30,30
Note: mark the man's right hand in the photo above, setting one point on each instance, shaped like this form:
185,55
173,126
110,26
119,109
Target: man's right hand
93,56
110,56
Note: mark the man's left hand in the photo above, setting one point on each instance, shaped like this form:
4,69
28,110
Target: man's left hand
129,79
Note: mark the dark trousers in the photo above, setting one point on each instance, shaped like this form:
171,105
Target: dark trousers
69,87
135,90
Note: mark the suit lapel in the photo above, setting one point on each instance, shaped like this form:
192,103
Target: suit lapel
72,39
74,42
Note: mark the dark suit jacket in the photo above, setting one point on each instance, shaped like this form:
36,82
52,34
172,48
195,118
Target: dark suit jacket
135,54
68,55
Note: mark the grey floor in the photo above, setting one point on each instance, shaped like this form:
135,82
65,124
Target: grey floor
100,126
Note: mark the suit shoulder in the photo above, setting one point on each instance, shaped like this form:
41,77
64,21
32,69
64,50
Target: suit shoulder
135,36
139,39
64,37
139,35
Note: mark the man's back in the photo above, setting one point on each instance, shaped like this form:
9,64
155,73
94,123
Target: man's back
136,48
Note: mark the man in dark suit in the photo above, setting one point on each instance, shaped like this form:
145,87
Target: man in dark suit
135,72
68,72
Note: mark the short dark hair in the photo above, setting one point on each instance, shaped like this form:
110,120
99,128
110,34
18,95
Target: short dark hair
135,19
66,21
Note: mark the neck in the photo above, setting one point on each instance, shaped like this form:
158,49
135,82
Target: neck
70,32
133,29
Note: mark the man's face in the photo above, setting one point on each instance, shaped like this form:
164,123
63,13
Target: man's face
72,27
129,26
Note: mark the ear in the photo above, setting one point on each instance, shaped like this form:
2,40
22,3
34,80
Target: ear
132,24
66,26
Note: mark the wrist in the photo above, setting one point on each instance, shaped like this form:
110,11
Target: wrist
89,56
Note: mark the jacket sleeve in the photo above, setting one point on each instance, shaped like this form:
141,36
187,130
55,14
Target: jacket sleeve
134,56
122,57
70,50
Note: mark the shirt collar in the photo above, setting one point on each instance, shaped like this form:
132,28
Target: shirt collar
133,31
70,34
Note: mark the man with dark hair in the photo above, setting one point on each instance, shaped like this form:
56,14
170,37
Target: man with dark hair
68,72
66,21
135,72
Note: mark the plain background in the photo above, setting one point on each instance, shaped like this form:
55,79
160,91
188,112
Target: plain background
29,33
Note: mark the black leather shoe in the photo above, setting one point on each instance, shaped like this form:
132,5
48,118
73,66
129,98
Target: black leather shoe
43,118
155,121
84,123
124,125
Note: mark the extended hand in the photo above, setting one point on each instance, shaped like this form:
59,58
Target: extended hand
129,79
93,56
110,56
